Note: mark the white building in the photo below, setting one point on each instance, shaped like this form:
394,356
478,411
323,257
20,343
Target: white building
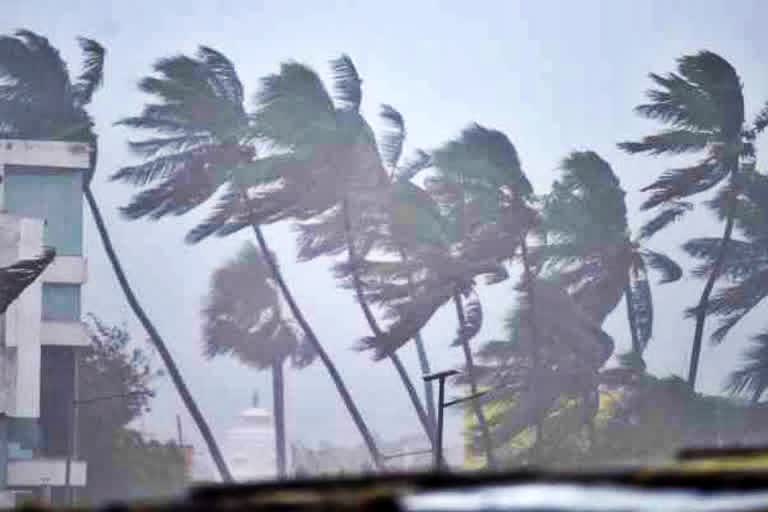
249,446
41,205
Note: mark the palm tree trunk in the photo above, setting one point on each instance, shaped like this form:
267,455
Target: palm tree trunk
701,308
374,326
278,404
477,408
429,394
636,348
528,277
310,334
158,342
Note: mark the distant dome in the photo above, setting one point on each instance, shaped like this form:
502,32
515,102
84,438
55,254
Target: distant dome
249,445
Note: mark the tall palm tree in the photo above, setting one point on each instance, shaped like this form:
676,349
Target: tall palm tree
38,100
329,139
703,105
746,267
590,249
244,317
206,145
391,145
470,220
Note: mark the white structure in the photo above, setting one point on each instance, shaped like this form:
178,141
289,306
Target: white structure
249,446
41,205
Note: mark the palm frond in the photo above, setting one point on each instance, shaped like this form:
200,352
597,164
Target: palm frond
641,307
414,165
227,210
294,108
391,145
670,141
671,213
669,269
735,302
677,184
347,83
223,71
742,259
752,377
15,278
93,70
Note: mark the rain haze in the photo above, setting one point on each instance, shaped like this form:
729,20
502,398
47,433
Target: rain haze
555,77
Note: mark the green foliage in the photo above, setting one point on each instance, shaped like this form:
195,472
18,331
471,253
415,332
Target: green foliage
244,315
153,469
38,98
704,105
121,464
644,423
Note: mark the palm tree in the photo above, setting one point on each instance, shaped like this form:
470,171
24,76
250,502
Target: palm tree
531,373
206,144
244,317
470,220
38,100
391,145
746,267
333,143
590,249
703,105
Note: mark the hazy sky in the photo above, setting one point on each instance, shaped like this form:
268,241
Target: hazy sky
555,76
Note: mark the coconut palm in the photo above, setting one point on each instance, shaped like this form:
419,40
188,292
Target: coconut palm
470,220
39,100
333,145
703,105
205,146
244,317
589,247
746,267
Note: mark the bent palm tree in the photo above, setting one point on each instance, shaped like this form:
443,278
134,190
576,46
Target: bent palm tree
470,220
332,143
746,267
703,105
589,248
39,100
244,317
207,146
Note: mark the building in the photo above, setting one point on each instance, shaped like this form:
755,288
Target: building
41,206
249,446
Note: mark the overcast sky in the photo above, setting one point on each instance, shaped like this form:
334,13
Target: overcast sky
554,76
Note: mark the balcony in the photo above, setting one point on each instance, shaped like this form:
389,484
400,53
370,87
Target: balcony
67,334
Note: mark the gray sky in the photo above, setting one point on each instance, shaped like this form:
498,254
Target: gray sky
555,76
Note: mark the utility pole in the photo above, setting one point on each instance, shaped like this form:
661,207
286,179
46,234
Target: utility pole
441,405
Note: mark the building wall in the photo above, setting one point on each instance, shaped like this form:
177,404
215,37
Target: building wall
52,194
41,191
